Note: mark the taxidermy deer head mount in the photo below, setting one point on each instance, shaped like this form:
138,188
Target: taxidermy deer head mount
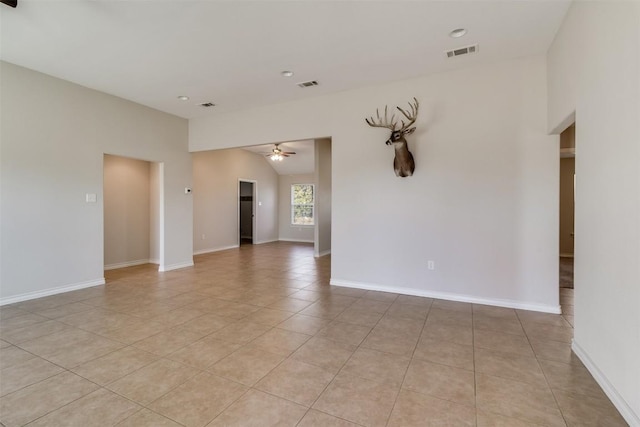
403,163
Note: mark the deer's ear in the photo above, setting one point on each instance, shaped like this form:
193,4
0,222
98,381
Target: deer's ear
409,131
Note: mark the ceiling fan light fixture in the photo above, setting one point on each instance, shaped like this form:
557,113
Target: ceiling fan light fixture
278,155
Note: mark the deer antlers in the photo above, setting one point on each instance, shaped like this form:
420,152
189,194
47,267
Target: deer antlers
392,124
414,114
371,122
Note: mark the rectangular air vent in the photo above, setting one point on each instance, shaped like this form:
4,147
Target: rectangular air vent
308,84
207,104
462,51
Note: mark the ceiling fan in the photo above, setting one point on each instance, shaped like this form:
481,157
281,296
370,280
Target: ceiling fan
277,155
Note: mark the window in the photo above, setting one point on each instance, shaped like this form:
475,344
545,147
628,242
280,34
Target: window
302,199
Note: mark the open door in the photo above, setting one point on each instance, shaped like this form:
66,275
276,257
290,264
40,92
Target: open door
246,212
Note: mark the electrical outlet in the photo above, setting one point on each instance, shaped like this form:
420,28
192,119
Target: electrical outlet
431,265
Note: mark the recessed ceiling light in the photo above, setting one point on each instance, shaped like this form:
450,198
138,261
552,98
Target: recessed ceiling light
183,98
286,73
459,32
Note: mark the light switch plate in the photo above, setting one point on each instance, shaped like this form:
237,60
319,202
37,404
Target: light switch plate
91,198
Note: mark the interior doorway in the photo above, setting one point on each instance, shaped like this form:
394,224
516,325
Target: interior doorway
133,218
567,220
246,212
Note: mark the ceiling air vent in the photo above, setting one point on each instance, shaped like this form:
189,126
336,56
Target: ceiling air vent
308,84
207,104
462,51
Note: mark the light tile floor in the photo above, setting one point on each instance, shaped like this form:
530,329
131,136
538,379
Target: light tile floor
256,337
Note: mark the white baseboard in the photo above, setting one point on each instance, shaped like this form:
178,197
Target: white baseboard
224,248
51,291
296,240
128,264
449,296
618,401
566,255
154,261
260,242
208,251
323,253
177,266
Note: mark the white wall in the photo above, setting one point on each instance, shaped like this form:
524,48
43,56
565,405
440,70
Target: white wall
288,232
53,137
594,73
484,194
127,216
215,198
323,196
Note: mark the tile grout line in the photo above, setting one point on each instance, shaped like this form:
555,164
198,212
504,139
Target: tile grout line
196,282
341,367
345,362
252,387
143,408
100,387
475,372
546,379
424,322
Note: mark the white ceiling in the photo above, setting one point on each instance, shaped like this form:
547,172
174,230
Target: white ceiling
231,52
300,163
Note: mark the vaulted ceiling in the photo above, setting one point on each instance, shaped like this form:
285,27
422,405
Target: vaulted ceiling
303,162
231,53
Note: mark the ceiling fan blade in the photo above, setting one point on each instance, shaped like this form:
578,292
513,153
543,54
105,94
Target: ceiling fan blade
289,152
284,155
11,3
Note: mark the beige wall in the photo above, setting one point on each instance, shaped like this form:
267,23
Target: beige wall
215,198
156,214
53,137
127,213
288,232
323,196
568,137
246,208
567,171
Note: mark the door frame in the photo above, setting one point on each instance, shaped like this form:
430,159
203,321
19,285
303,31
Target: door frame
158,233
254,210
